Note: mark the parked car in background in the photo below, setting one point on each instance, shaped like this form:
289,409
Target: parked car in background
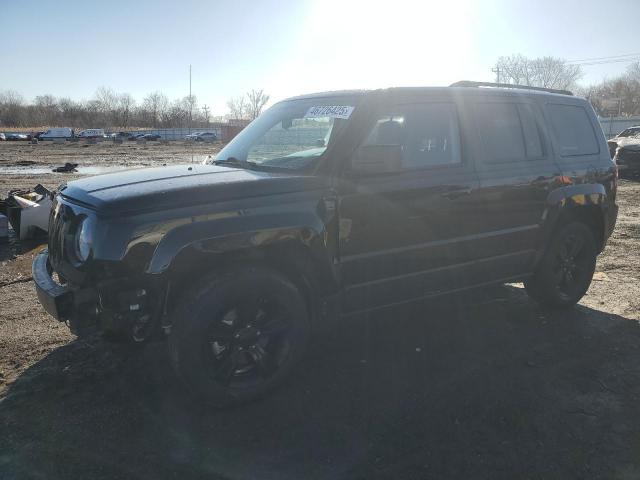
202,137
207,137
624,148
192,136
629,132
341,202
92,133
135,136
151,136
17,137
60,132
2,137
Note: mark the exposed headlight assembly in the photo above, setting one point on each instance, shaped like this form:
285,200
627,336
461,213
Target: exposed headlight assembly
83,239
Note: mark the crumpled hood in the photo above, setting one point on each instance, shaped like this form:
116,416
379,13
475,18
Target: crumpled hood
160,188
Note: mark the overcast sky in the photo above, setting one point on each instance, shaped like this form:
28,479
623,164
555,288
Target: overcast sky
69,48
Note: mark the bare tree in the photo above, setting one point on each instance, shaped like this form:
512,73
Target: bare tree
256,100
106,108
619,95
12,112
154,105
237,108
46,110
547,72
125,105
70,111
107,101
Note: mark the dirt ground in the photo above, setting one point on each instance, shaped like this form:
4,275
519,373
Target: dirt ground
483,386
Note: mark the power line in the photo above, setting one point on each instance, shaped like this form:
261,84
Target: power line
626,58
608,57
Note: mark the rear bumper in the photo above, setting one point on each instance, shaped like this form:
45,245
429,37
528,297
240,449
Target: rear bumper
75,306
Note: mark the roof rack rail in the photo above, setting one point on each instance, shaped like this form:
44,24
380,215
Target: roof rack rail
469,83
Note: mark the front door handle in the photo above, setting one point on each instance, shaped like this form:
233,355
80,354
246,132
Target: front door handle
453,194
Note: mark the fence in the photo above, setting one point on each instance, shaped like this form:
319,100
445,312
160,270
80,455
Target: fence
612,126
223,131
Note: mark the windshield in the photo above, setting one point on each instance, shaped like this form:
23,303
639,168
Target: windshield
291,134
630,132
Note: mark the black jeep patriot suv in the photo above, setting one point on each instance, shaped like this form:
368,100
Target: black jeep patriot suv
327,204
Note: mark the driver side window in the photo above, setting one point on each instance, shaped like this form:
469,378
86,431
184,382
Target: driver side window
428,134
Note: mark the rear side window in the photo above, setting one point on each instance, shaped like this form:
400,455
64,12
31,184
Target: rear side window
573,130
509,132
500,130
532,143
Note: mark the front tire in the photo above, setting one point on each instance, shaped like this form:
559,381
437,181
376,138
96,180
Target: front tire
565,272
238,335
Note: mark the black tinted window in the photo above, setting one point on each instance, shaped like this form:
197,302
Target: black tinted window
500,130
573,130
532,143
429,134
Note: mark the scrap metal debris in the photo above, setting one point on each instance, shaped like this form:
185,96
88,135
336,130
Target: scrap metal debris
28,211
66,168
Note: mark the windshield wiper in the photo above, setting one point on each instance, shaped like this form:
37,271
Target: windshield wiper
236,162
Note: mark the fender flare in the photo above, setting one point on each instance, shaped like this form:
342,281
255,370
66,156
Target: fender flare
564,199
226,235
578,195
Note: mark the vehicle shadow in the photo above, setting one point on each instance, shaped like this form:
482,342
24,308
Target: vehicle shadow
484,386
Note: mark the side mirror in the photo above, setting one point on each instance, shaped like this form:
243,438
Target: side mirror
377,159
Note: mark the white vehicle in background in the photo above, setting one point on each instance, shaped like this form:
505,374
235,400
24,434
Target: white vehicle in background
61,132
92,133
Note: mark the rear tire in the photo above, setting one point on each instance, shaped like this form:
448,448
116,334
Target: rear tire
238,335
565,272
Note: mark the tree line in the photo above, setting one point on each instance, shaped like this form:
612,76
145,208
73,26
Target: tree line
110,109
619,95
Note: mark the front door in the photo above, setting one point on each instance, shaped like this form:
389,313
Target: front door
406,235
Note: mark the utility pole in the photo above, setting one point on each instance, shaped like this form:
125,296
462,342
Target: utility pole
205,109
497,72
190,100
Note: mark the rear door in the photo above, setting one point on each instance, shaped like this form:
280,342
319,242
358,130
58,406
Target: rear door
404,235
517,171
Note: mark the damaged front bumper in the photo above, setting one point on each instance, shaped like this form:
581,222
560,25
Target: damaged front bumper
114,306
76,307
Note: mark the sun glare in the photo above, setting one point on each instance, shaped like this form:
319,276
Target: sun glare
364,44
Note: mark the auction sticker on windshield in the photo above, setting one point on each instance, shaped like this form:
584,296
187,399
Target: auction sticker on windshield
331,111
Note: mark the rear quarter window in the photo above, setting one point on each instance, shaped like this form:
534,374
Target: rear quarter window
572,130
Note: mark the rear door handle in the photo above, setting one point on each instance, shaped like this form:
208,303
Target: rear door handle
452,195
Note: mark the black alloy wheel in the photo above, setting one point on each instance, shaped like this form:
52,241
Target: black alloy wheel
565,272
238,334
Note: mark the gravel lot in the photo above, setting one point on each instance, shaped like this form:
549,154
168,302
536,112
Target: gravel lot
484,386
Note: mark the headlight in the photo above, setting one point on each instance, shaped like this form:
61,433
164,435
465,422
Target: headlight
84,239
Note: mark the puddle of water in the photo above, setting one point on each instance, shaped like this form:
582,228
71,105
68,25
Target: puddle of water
88,170
95,169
